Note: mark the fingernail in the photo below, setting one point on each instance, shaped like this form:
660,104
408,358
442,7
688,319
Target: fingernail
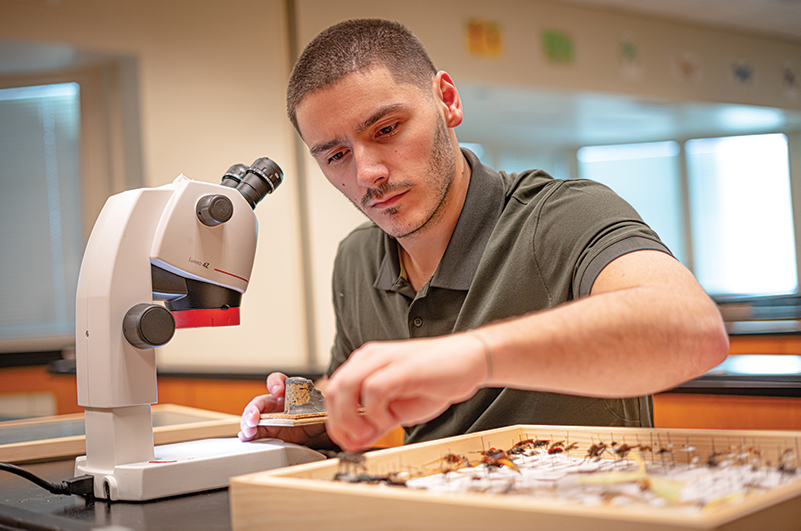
274,389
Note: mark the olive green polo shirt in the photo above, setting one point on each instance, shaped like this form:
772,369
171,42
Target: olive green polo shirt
523,243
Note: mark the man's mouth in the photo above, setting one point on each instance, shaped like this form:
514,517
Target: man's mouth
388,201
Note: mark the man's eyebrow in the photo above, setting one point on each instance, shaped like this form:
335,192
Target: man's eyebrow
319,148
383,111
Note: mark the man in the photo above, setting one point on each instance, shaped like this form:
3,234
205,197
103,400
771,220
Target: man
475,299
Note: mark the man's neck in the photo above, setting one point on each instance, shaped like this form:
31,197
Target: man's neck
421,253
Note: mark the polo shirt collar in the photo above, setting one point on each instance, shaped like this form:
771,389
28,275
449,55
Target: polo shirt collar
482,208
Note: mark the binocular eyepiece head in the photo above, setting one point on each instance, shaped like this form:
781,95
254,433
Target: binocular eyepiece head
256,181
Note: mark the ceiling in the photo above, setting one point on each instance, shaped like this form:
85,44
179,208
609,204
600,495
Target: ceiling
780,18
550,119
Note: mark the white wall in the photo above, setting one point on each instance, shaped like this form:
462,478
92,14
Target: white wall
212,78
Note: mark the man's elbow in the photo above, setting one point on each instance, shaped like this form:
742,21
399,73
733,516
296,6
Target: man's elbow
713,342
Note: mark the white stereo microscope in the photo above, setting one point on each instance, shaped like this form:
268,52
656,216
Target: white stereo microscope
191,245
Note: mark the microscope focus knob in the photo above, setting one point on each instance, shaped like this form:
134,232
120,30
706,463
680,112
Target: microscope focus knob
214,209
148,325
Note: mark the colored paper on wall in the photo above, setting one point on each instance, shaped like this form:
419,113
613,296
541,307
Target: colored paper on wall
629,57
743,73
687,66
484,38
790,82
558,47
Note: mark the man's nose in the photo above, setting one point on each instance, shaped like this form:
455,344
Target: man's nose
370,168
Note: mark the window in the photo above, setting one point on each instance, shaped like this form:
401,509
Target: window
41,236
740,239
647,177
741,215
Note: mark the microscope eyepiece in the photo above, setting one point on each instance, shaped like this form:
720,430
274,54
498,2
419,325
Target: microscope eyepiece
260,179
234,175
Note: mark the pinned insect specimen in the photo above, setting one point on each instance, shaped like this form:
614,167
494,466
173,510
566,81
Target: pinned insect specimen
622,451
522,446
497,458
389,479
452,462
556,448
352,470
787,465
351,462
595,451
610,469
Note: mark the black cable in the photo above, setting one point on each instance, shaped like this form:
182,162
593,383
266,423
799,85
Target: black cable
81,485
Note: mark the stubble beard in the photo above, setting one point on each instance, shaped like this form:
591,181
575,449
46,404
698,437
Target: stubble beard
441,169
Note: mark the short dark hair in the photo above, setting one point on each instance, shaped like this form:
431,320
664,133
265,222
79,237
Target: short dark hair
353,46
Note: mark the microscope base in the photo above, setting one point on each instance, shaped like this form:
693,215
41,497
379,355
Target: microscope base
193,466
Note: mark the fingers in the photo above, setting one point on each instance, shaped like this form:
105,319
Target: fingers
250,434
415,410
275,384
345,426
400,382
248,424
269,403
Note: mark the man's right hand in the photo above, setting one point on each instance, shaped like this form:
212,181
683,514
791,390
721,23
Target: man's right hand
273,402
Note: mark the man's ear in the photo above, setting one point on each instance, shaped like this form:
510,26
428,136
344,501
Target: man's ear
447,95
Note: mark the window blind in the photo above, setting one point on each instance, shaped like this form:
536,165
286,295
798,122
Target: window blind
41,236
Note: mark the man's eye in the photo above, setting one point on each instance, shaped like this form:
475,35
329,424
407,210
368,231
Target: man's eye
388,130
336,156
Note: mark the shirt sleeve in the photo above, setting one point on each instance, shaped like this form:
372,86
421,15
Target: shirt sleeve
611,253
582,227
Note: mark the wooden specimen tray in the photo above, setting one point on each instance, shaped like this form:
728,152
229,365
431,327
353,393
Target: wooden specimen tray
305,496
64,435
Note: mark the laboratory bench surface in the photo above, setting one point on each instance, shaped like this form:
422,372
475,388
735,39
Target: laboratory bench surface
23,505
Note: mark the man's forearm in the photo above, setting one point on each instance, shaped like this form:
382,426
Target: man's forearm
607,345
623,342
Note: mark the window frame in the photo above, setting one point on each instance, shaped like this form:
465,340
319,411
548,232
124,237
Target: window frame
109,140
